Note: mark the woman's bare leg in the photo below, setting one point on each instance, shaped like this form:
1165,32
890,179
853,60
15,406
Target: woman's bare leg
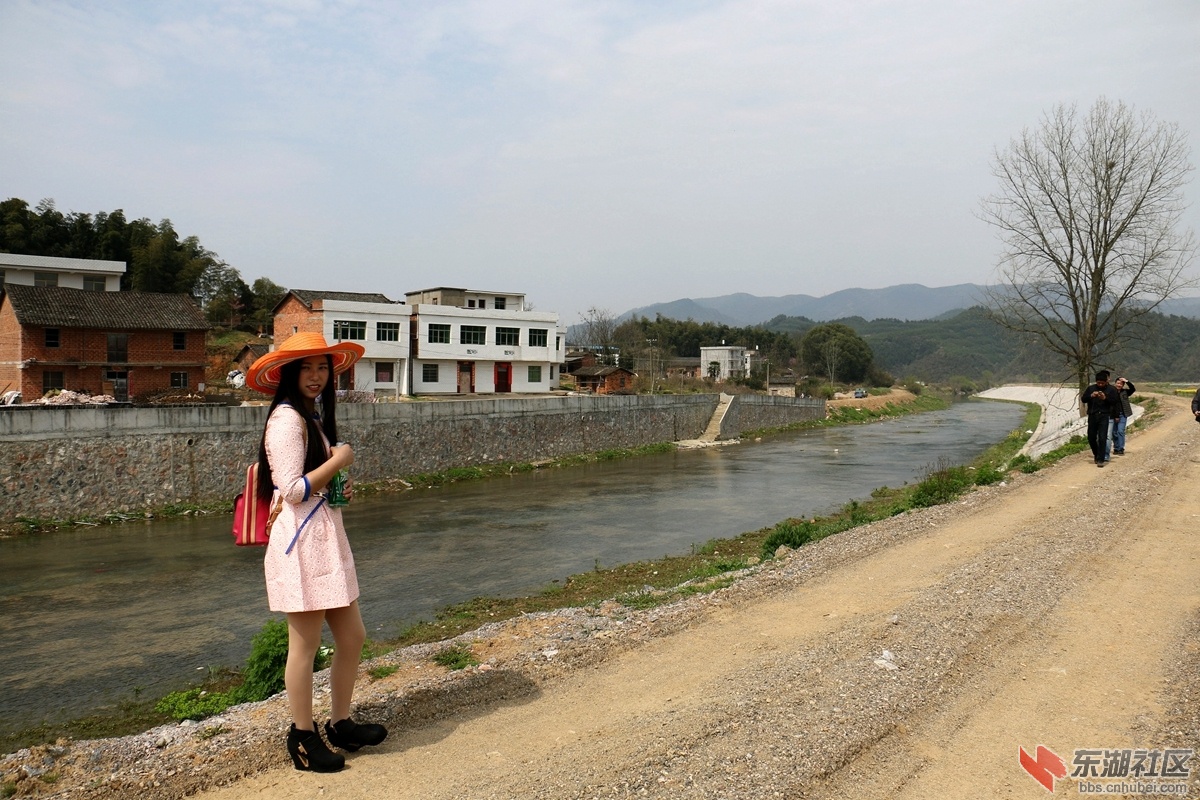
304,637
348,636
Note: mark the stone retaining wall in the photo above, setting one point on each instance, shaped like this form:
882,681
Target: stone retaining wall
752,412
58,462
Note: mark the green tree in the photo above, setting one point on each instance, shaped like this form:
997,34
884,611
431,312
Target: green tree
836,351
1089,211
267,295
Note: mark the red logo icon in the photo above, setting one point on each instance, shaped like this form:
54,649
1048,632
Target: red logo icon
1045,768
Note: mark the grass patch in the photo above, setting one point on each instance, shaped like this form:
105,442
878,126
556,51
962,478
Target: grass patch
122,719
28,525
381,672
457,656
1151,409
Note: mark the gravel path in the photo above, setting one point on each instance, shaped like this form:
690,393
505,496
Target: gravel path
907,658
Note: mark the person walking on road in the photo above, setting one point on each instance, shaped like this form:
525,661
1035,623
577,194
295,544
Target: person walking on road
1125,388
1103,405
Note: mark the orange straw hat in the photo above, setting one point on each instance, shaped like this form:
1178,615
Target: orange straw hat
263,375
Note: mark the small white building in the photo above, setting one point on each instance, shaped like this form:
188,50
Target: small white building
475,342
383,331
69,273
730,362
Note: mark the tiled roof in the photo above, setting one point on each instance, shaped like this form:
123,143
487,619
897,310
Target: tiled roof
256,350
307,296
599,372
56,306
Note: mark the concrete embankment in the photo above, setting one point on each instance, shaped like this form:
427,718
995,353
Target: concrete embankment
58,463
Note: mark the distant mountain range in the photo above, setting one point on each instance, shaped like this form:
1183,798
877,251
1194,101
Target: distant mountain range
908,301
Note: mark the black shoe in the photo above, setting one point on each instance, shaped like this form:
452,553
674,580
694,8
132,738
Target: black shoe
350,735
309,751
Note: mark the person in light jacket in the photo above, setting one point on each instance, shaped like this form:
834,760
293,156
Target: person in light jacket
1125,389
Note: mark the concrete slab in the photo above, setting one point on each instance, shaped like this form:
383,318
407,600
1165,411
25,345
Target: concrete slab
1060,413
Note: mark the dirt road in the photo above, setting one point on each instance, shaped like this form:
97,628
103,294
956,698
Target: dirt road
906,659
1060,609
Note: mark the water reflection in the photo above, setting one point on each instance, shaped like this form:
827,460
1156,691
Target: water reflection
92,615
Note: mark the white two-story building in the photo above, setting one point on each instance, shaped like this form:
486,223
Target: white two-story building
474,342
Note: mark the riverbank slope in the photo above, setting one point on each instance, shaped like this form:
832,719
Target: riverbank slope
907,658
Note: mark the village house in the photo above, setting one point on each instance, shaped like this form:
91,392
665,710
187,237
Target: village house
440,341
249,354
70,273
604,380
378,323
468,341
100,342
723,363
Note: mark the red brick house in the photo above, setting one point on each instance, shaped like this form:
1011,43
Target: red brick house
303,310
118,343
604,380
378,323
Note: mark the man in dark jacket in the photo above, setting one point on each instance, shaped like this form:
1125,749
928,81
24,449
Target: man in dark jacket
1125,388
1103,406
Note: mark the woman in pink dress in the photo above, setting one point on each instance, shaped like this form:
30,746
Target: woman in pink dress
309,566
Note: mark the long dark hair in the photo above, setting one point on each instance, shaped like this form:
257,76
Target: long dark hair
288,392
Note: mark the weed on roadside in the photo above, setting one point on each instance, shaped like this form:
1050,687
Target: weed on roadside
456,656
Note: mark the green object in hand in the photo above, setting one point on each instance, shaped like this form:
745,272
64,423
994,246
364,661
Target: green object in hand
337,490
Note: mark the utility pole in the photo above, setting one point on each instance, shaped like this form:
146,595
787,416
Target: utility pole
652,342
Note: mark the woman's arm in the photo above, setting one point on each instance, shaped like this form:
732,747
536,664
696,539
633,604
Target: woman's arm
285,442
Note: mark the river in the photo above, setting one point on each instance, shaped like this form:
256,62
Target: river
94,615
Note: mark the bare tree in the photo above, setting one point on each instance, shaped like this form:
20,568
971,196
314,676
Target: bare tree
599,331
831,352
1088,210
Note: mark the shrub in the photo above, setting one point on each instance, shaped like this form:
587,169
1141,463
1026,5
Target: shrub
193,704
265,667
941,485
790,532
987,475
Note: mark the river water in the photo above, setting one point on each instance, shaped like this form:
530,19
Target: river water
93,615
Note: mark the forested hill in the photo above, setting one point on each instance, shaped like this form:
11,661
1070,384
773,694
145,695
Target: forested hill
158,258
971,345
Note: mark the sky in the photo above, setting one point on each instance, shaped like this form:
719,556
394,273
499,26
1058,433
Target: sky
605,154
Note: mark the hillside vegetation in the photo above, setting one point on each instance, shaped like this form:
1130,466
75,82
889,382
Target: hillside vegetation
969,344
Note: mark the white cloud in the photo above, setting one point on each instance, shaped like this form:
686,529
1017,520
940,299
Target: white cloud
588,153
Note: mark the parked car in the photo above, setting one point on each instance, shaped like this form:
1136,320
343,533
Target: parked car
860,393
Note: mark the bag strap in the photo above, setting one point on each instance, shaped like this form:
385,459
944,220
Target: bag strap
320,500
274,513
279,503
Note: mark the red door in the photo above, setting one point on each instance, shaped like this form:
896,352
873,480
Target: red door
503,376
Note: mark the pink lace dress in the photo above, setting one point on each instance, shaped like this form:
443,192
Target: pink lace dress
319,572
